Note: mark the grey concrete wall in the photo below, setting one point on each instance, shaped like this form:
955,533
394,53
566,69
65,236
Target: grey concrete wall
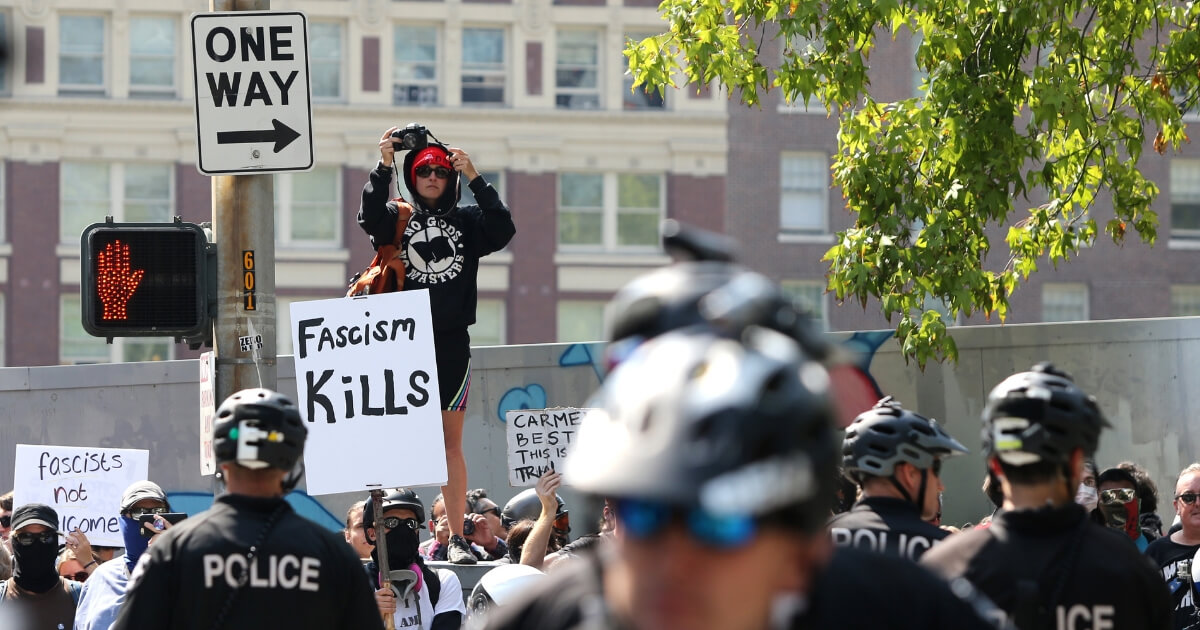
1144,372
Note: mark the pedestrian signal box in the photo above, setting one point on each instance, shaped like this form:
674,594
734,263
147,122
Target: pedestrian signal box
148,280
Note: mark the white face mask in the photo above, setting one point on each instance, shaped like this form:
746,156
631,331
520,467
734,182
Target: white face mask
1087,497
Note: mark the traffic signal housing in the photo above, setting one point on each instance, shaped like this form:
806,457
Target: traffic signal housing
148,280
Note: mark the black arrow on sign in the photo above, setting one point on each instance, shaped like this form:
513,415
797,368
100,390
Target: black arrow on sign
282,135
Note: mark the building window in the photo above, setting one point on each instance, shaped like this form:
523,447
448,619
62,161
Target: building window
484,72
152,56
1185,300
81,48
809,295
802,48
644,97
613,211
325,59
90,191
580,321
804,193
1185,198
75,345
577,70
489,326
5,41
415,71
1064,302
308,208
3,201
467,197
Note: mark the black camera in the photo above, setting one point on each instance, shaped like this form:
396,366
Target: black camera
468,526
414,137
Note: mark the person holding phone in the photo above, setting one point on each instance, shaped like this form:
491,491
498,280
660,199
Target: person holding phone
441,248
142,504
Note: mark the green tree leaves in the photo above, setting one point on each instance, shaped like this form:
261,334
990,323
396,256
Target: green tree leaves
1029,110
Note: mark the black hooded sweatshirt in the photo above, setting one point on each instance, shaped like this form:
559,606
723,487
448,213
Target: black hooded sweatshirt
442,246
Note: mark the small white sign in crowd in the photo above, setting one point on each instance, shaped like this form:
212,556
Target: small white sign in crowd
83,484
538,440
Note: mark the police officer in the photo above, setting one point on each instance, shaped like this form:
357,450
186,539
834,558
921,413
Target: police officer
896,456
718,455
250,561
1043,561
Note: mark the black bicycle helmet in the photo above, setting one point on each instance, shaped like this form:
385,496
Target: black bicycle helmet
1040,415
259,428
526,505
739,427
399,497
887,434
703,288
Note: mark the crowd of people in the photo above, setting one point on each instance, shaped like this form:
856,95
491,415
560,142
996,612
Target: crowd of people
728,498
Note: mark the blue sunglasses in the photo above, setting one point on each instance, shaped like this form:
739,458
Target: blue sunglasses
646,519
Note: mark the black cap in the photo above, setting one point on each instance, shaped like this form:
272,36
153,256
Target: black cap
34,514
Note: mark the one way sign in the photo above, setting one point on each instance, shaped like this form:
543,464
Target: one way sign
253,105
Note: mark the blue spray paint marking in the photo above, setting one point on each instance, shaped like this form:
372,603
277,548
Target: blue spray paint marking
192,503
578,354
530,397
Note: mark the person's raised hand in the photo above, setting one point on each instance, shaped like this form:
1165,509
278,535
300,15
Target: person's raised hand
387,150
461,161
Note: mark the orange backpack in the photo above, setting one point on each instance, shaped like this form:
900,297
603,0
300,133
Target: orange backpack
386,272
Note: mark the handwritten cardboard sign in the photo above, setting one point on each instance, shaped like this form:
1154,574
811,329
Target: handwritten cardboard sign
82,484
367,384
208,412
538,441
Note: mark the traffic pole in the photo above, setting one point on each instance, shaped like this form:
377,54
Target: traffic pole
244,225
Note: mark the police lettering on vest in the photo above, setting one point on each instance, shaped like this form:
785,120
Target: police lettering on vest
910,546
287,572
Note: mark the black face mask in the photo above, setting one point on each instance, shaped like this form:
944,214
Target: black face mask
33,566
402,546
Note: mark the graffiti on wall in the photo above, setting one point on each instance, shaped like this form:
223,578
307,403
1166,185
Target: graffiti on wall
533,395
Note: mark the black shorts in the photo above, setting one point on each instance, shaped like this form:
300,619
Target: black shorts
453,350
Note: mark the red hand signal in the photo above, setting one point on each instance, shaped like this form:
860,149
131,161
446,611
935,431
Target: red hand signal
115,283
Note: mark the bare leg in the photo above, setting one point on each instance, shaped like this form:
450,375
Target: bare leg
454,493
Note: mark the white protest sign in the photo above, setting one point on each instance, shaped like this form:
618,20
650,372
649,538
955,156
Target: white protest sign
82,484
208,412
366,379
538,441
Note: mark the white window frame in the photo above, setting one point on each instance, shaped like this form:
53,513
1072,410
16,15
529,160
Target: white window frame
116,188
285,203
69,309
3,340
802,290
493,177
610,195
339,62
422,85
156,91
1189,194
1185,300
501,70
1057,295
3,201
560,316
86,89
597,70
627,81
498,307
813,104
821,191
